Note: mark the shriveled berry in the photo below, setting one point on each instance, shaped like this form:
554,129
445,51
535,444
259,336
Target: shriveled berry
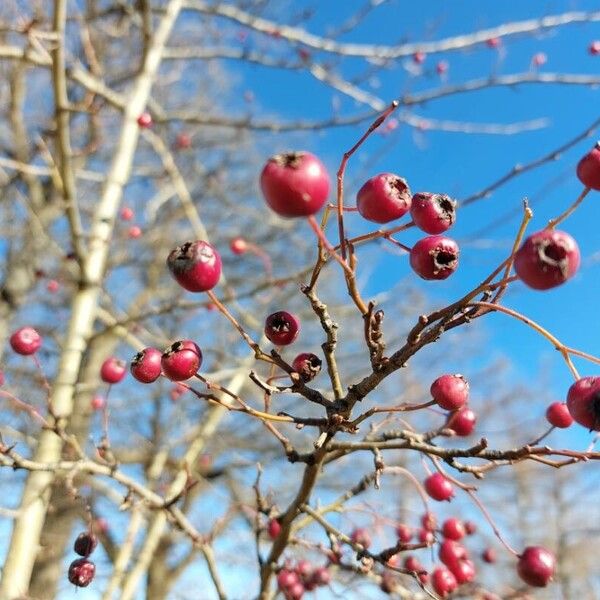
464,571
547,259
307,365
383,198
25,341
238,245
453,529
451,553
443,581
181,360
536,566
429,521
273,528
489,555
450,391
588,168
404,533
85,543
146,365
558,415
81,572
438,487
434,257
462,421
583,402
145,120
113,370
361,536
433,213
196,266
295,184
282,328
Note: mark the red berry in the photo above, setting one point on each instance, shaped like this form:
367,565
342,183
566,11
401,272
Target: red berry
558,415
434,257
85,543
433,213
425,537
307,365
287,579
238,245
98,402
438,487
443,581
181,360
404,533
183,141
304,569
429,521
536,566
594,48
450,391
126,213
539,59
470,527
494,42
451,553
583,402
412,563
389,582
53,286
419,57
295,184
588,168
361,536
196,266
321,576
145,120
489,555
547,259
463,571
442,67
295,592
81,572
462,421
273,528
146,365
282,328
453,529
383,198
134,232
113,370
25,341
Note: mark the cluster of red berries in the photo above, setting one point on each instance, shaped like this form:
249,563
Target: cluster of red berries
451,392
82,570
295,580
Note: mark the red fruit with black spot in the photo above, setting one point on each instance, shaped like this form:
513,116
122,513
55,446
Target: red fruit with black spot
307,365
113,370
588,168
434,257
462,421
443,582
181,360
25,341
146,365
196,266
85,543
438,487
433,213
558,415
547,259
450,391
404,533
295,184
383,198
361,536
81,572
583,402
536,566
282,328
453,529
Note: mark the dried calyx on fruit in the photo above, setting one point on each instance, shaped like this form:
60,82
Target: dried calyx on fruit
181,360
434,257
295,184
307,365
282,328
196,266
433,213
81,572
146,365
383,198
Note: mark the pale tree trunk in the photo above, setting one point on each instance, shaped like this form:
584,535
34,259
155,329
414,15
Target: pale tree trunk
24,543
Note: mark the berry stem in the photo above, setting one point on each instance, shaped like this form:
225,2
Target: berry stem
554,222
325,243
